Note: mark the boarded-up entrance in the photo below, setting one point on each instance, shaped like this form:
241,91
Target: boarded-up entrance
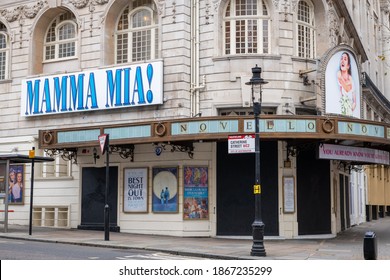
235,198
313,193
93,198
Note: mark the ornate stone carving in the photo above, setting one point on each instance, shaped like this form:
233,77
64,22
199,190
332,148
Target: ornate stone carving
294,4
216,4
31,12
283,6
385,6
21,13
333,28
13,15
79,4
160,6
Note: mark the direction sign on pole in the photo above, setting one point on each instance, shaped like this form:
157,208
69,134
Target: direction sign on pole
241,144
103,142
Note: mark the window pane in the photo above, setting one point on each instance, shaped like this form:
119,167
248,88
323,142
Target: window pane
66,31
122,48
140,3
265,36
240,36
252,36
303,12
50,52
51,34
66,50
60,41
3,56
246,7
123,23
227,38
3,41
141,45
305,30
249,25
142,18
137,35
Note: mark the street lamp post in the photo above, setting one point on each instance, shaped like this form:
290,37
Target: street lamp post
256,83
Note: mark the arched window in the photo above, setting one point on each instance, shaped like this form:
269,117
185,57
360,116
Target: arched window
61,37
137,32
246,27
4,52
305,30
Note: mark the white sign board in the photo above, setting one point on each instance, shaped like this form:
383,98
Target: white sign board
100,89
348,153
241,144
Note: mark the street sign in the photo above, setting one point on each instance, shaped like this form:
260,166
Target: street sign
241,144
103,142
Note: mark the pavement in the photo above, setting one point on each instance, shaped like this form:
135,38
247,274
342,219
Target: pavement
347,245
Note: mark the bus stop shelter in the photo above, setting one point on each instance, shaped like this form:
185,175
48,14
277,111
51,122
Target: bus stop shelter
6,162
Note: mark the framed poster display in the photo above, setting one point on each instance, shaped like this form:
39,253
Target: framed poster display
135,190
288,194
196,193
16,188
165,190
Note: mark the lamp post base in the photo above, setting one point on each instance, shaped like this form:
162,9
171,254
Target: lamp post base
258,239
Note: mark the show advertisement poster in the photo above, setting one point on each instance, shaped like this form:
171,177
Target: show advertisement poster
135,190
16,187
342,85
196,193
165,190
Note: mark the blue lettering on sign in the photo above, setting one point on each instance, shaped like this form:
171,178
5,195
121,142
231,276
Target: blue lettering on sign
32,97
114,87
126,94
77,92
46,98
84,91
91,94
138,87
60,94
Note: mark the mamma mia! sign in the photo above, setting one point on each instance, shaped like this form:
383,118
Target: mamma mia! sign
127,86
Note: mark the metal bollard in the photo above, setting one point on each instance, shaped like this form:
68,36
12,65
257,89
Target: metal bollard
370,247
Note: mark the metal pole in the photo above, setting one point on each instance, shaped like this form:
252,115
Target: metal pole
106,206
31,193
6,175
258,225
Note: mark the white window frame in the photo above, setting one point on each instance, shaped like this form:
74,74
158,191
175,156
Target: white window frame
57,169
57,42
153,27
312,36
5,50
260,18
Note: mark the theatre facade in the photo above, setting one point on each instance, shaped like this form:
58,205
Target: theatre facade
156,93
